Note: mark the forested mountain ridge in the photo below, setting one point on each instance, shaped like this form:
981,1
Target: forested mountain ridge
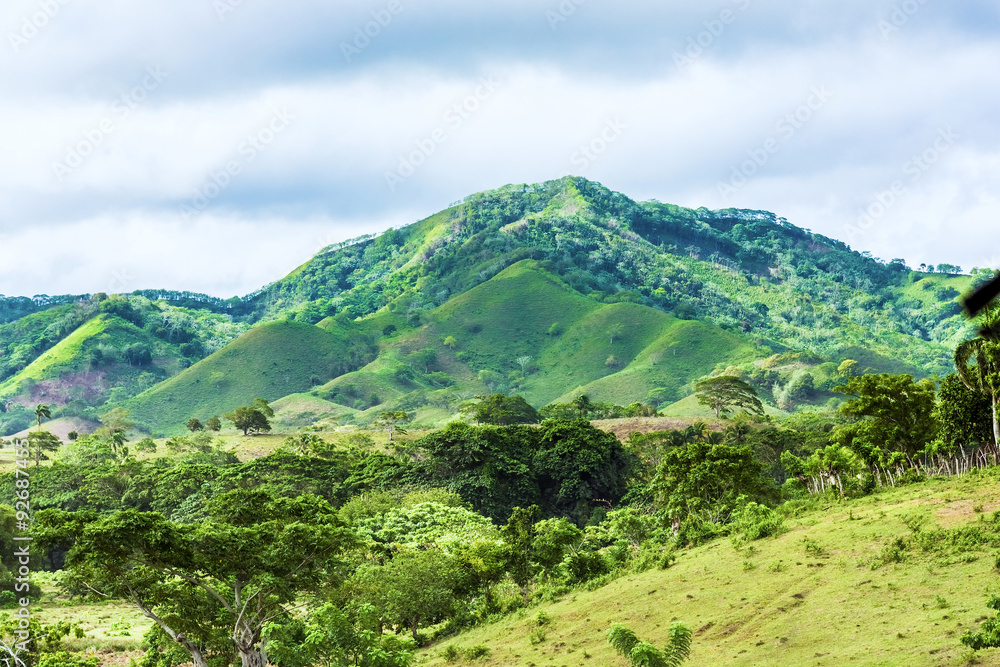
750,275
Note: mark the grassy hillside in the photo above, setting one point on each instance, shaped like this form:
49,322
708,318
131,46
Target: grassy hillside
525,331
70,378
63,357
666,354
527,283
270,361
826,592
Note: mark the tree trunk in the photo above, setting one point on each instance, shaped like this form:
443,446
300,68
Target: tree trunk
197,659
996,425
252,657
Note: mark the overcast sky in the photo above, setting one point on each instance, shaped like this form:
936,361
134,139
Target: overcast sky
214,145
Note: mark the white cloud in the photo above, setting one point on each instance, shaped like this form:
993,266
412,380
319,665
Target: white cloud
683,129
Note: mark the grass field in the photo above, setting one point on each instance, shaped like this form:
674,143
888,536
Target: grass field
807,597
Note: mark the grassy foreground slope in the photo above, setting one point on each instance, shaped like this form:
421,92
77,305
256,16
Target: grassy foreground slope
270,361
826,592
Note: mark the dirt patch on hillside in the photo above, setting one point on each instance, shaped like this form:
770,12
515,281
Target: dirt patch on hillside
87,386
961,512
622,427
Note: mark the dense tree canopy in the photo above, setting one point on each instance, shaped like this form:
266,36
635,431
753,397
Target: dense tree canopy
501,410
212,587
891,413
726,392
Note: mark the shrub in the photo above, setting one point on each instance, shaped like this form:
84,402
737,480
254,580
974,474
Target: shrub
893,552
477,651
644,654
754,522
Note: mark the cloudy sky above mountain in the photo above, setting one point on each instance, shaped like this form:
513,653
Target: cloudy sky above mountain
213,145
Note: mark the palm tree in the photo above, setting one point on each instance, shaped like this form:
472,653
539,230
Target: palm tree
42,411
582,404
984,376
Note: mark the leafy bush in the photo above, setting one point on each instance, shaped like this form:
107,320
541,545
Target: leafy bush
988,635
477,651
644,654
755,522
893,552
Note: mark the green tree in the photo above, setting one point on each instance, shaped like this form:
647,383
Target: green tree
252,418
500,410
213,424
426,357
114,421
893,413
727,391
138,354
240,568
416,586
308,444
965,416
391,420
336,637
577,465
709,481
194,424
40,442
616,331
582,404
518,536
489,466
983,373
847,368
42,411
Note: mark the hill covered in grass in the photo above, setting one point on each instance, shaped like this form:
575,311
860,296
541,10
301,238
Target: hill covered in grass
269,361
522,289
890,579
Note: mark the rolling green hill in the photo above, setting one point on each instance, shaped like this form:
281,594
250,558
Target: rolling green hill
525,330
270,361
527,284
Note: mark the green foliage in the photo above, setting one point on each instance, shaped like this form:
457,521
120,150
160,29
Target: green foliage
725,392
644,654
501,410
754,522
428,523
709,481
40,442
249,543
391,420
44,645
337,637
988,635
413,588
252,418
894,414
622,639
577,463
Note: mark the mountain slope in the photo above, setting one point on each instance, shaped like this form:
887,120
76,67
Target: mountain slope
735,284
270,361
